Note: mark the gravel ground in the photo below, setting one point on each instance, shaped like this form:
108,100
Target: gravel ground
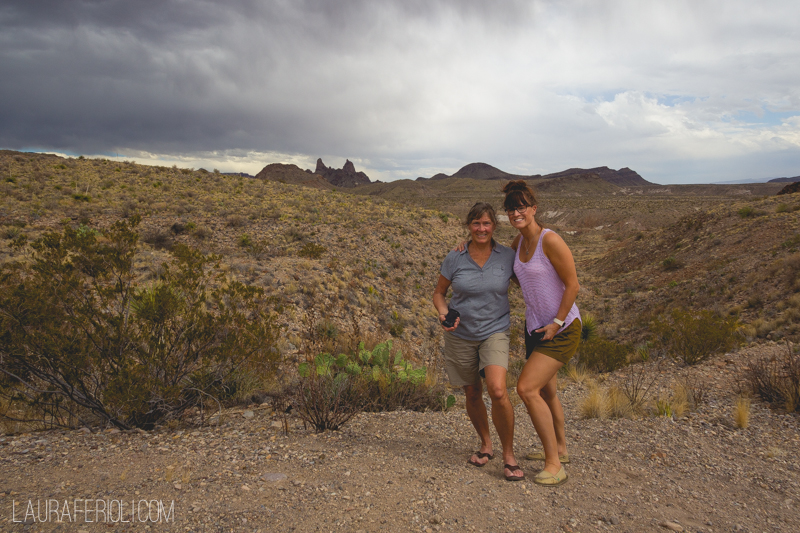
407,471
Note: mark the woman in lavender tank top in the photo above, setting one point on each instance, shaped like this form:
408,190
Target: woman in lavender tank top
546,272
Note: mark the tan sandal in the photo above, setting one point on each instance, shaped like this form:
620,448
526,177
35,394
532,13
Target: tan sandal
546,478
539,456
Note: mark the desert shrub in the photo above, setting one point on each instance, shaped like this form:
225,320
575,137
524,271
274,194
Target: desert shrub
603,355
588,327
178,228
333,389
10,232
82,341
202,233
328,401
693,336
236,221
312,250
671,263
776,381
745,211
159,239
782,208
245,240
637,384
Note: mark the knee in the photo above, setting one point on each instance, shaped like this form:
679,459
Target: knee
528,393
473,393
497,391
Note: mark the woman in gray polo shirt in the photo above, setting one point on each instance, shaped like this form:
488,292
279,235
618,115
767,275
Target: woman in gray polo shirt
476,345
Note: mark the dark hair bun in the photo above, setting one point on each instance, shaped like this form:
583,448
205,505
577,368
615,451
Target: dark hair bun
517,185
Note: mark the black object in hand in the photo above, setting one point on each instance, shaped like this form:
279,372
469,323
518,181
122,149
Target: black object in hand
450,318
537,335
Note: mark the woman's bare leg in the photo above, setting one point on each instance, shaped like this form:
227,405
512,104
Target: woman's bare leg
536,374
549,393
476,410
502,413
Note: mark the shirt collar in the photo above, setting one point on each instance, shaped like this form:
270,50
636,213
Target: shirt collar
466,248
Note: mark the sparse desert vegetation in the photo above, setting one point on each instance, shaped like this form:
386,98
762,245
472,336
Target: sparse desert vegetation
686,382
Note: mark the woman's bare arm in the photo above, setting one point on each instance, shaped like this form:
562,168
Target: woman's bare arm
440,303
560,256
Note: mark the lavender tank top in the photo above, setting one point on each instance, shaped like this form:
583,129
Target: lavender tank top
542,289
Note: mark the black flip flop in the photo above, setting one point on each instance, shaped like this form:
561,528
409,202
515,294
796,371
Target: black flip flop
480,455
512,468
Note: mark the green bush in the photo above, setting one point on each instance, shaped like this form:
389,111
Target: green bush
82,341
588,327
333,389
603,355
693,336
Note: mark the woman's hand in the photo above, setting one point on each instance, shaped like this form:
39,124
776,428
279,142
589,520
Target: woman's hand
461,246
550,331
455,324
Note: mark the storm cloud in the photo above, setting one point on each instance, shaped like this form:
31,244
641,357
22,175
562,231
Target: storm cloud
679,91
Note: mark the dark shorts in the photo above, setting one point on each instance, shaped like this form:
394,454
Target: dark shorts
561,347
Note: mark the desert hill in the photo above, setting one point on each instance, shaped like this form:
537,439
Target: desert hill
791,188
785,180
573,202
292,174
741,258
323,177
480,171
623,177
380,258
342,265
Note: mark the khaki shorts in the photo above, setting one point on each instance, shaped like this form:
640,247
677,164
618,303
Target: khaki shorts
561,347
465,360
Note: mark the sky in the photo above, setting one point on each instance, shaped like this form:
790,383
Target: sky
680,91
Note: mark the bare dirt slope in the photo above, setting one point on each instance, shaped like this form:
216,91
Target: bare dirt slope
407,471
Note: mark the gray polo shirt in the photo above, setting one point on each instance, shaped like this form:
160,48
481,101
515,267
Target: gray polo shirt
480,294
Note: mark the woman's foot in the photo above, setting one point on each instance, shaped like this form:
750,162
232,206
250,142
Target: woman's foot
480,458
539,456
551,480
513,472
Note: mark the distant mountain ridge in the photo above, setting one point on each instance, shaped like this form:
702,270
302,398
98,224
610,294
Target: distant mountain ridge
624,177
784,180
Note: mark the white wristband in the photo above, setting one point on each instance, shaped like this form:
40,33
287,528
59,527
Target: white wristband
559,322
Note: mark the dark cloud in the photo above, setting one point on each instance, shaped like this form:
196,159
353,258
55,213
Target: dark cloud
397,83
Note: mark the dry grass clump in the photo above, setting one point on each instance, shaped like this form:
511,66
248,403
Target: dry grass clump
741,412
577,373
595,404
618,404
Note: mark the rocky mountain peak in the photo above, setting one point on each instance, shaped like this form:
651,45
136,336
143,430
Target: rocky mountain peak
342,177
